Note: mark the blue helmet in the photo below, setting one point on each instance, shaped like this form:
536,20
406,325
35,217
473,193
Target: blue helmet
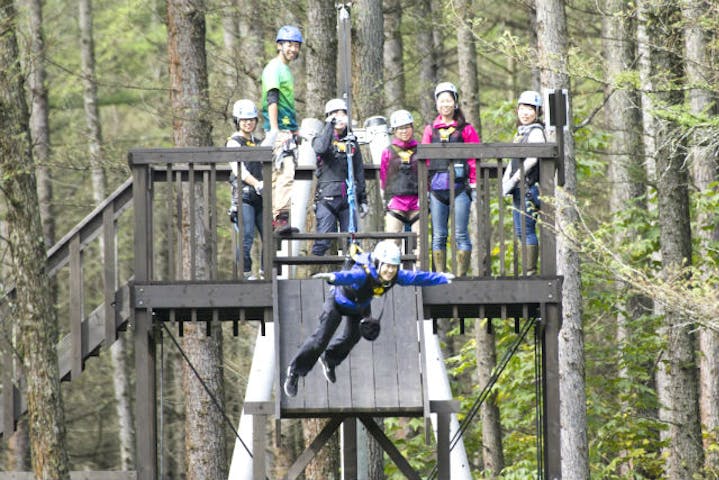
289,33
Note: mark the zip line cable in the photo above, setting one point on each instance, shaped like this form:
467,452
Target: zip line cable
345,48
474,409
207,389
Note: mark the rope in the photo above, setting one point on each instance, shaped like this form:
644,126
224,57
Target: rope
485,391
207,389
345,36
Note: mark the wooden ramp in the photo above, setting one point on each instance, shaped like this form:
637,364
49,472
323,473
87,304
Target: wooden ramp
384,377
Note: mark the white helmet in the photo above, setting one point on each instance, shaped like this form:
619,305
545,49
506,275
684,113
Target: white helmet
334,105
387,251
530,97
446,87
244,109
400,118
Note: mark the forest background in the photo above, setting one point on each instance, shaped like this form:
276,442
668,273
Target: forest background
642,196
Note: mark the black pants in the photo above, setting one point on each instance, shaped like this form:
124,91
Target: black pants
318,342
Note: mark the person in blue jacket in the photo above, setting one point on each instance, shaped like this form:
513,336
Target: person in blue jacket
351,296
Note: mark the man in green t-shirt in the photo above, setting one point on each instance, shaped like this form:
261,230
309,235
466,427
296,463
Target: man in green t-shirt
278,109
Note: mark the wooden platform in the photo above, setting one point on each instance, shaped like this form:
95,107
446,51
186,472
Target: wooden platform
383,377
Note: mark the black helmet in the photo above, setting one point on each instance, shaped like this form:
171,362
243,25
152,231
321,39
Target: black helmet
369,328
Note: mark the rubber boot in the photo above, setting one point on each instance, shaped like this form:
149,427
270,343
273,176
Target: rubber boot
463,259
532,255
439,258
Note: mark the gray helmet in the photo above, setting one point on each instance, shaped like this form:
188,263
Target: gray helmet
244,110
400,118
446,87
334,105
530,97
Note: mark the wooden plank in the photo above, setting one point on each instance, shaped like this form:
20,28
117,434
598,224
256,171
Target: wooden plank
361,366
109,274
76,306
83,475
407,346
339,394
486,150
203,294
474,291
313,389
289,334
349,448
385,356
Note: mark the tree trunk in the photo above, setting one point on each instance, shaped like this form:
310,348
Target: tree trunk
467,60
684,456
251,51
553,55
392,57
36,321
704,171
121,380
424,44
326,466
320,55
492,451
625,168
39,119
205,445
92,111
367,58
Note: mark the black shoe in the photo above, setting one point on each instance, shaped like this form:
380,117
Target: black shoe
327,370
290,386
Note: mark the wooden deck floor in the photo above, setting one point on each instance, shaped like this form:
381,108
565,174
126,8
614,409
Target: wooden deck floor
383,377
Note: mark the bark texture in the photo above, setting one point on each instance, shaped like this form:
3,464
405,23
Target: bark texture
553,58
320,51
36,322
704,172
492,450
392,57
467,63
684,454
205,444
39,119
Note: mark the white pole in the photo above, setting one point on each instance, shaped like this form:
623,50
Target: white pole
439,389
259,389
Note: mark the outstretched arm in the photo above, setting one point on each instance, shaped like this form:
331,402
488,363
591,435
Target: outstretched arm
421,278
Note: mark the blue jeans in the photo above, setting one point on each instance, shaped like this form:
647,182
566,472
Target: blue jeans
251,219
528,210
440,221
330,214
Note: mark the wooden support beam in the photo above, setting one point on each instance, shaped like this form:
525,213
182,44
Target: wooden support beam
389,447
313,449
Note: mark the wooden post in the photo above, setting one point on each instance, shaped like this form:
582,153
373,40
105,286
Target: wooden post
145,411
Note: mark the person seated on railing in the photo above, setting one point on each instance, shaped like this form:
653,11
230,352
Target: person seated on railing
398,176
529,130
372,275
244,117
333,146
450,126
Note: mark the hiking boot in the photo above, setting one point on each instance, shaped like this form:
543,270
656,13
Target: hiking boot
327,370
290,386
